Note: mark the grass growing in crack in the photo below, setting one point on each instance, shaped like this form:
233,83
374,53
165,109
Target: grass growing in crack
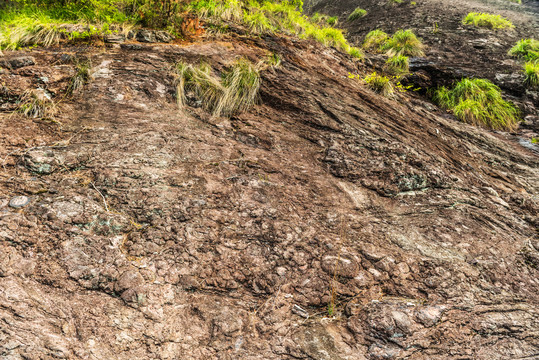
83,75
404,42
36,104
479,102
489,21
234,92
356,14
398,65
374,40
380,84
531,70
527,49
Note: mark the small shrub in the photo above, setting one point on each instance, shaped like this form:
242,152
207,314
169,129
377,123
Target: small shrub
333,20
374,40
527,49
380,84
490,21
235,91
356,14
478,102
404,42
531,69
398,64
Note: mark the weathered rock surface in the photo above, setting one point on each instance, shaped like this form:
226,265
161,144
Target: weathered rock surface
160,234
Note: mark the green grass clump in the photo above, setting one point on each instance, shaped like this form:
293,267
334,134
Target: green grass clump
333,20
398,65
257,22
374,40
36,104
531,69
356,14
83,75
527,49
490,21
235,91
356,53
404,42
479,102
380,84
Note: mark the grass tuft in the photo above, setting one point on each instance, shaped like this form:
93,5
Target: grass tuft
489,21
527,49
531,70
479,102
83,76
36,104
234,92
374,40
398,65
356,14
404,42
380,84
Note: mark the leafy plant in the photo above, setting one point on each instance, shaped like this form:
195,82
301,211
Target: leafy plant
531,69
527,49
490,21
398,64
404,42
374,40
356,14
478,102
379,83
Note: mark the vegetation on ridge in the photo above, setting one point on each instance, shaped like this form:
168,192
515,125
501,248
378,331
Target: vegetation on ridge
527,49
478,102
490,21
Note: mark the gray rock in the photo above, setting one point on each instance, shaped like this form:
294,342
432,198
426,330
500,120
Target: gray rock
430,315
19,201
18,62
163,36
146,36
114,38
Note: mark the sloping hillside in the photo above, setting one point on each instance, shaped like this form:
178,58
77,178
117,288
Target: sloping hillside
326,222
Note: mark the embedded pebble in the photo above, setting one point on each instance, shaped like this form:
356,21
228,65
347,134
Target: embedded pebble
19,201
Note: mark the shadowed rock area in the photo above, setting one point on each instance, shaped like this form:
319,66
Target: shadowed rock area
154,233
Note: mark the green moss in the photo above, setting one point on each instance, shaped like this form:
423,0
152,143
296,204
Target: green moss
479,102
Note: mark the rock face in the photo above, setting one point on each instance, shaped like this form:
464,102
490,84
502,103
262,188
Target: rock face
166,234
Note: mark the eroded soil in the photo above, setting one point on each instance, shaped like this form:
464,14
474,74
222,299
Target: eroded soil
158,234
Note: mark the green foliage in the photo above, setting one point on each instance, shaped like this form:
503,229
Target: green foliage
527,49
257,22
398,64
404,42
380,84
333,20
516,1
478,102
490,21
374,40
356,14
235,91
356,53
531,69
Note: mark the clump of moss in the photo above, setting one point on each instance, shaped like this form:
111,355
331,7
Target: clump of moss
356,14
479,102
489,21
527,49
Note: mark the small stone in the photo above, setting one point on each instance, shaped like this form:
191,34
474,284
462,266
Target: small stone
430,315
281,271
146,36
19,201
18,62
114,38
163,36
